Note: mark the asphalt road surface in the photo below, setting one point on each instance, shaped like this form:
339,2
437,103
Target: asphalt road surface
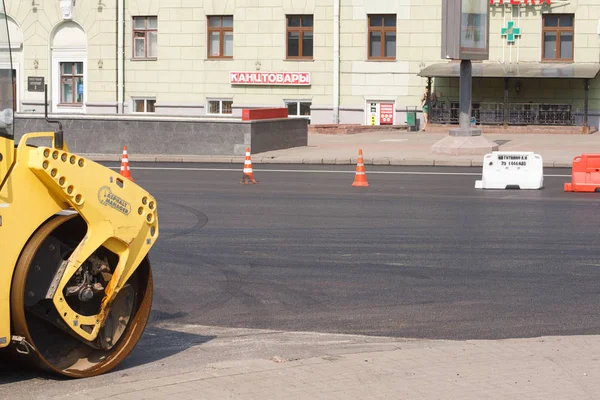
420,253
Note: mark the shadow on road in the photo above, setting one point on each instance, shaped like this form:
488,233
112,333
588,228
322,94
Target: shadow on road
156,344
12,371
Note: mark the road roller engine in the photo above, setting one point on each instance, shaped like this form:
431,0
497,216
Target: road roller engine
75,277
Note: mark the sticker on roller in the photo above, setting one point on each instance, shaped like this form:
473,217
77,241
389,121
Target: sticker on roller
109,199
512,170
2,340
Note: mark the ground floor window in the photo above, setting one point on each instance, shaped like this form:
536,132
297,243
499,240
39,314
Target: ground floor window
71,83
298,108
144,105
220,107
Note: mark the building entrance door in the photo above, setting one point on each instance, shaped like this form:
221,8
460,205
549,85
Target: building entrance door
380,113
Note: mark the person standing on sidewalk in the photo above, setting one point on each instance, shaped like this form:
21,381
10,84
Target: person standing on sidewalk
426,101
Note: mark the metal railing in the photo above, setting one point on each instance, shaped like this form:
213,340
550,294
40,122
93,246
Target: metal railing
488,113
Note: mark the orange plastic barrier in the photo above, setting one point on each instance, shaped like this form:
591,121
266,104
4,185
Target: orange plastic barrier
585,175
263,113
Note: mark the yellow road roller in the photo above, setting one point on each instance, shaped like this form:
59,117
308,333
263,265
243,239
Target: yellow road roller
75,277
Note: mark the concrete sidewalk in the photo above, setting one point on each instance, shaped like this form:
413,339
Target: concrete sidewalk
521,369
259,364
396,148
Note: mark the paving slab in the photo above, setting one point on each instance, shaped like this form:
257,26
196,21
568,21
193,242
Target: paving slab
263,364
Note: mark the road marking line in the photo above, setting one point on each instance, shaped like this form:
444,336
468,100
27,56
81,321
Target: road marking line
317,171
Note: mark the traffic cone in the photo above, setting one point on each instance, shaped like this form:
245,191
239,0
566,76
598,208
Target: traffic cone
248,175
125,171
360,178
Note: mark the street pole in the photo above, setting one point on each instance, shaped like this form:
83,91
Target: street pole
466,91
466,87
586,128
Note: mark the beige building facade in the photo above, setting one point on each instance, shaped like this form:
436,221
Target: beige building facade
333,61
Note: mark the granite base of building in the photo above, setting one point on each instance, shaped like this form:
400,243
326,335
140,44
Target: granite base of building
168,136
464,145
344,129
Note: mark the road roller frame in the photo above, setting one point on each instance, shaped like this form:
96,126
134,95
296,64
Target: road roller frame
120,216
40,184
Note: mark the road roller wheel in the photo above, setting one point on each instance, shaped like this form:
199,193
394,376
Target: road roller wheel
48,342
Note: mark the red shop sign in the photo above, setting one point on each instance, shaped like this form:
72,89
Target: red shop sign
386,114
270,78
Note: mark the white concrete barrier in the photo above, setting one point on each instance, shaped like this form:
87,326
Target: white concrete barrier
512,169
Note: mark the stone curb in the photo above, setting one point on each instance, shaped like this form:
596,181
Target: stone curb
305,161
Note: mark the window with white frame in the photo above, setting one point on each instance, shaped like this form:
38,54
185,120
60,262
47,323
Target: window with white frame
143,105
298,108
219,107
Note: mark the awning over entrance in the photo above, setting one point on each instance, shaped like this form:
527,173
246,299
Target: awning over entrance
498,70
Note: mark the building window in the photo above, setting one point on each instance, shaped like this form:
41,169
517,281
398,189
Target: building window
145,37
299,39
557,37
220,107
71,83
144,105
382,37
8,89
220,37
298,108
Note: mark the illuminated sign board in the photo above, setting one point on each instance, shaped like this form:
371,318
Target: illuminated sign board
465,29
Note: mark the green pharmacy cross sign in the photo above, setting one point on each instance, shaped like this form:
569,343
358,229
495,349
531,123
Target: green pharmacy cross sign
510,32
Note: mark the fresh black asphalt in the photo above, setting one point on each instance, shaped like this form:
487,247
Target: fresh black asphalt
413,255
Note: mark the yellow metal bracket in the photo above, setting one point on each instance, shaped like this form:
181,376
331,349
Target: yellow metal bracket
120,215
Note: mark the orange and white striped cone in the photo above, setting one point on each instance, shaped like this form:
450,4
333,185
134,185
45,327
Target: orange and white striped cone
125,171
360,178
248,175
